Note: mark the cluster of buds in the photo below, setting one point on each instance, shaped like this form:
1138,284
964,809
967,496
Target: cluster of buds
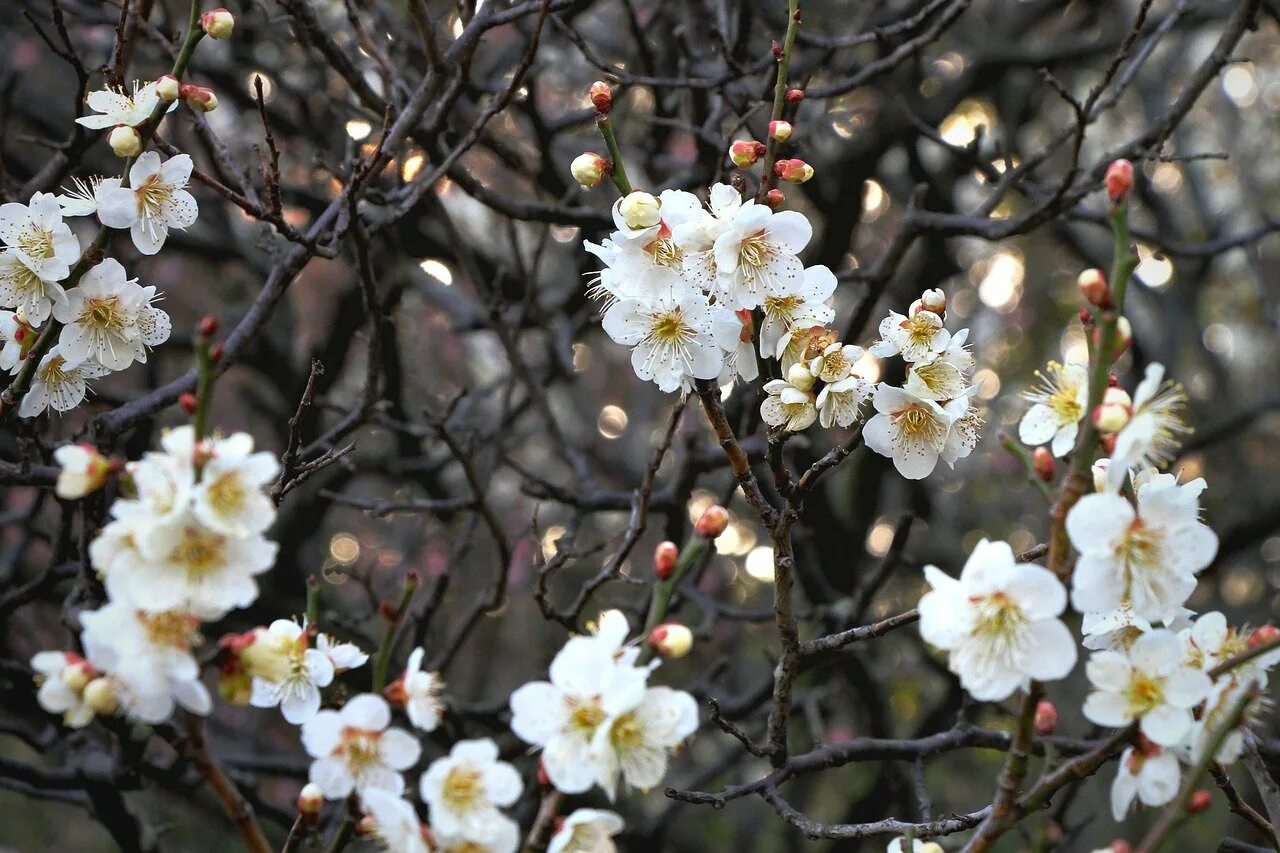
82,470
671,640
218,23
665,557
125,141
793,171
588,168
1094,289
1113,413
1119,180
198,98
713,521
745,153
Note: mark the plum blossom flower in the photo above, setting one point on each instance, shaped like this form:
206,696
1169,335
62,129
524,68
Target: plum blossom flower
1145,558
838,402
942,376
790,403
1146,682
756,254
22,287
286,672
696,233
109,318
354,750
82,469
1115,630
1155,429
36,235
1227,692
1058,402
915,338
155,201
419,692
1211,642
85,197
501,836
587,831
343,656
395,823
835,361
671,334
61,678
1151,775
734,331
115,108
633,745
18,336
230,497
999,621
908,429
802,300
465,790
59,382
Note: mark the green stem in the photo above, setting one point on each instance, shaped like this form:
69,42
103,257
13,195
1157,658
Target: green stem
383,659
1024,456
313,601
663,591
619,174
767,177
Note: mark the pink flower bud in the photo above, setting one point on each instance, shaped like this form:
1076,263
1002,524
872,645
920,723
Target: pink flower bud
188,402
780,130
1200,802
664,559
1124,337
745,153
1093,287
1119,180
208,326
774,198
1263,635
1121,846
671,640
1046,719
794,96
1042,463
588,168
601,97
793,171
199,98
935,300
310,800
168,88
125,141
218,23
713,522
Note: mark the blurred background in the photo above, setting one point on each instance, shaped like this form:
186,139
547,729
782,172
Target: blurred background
477,372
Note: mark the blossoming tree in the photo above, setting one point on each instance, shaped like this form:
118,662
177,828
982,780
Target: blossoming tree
403,599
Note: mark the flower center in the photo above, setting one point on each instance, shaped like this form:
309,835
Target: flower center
227,494
153,195
756,251
1143,693
52,373
920,330
1140,549
782,307
170,628
664,250
103,313
200,553
585,717
24,280
463,788
918,421
627,734
36,242
360,749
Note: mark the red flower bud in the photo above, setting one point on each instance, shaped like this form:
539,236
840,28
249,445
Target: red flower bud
1046,720
664,559
1086,318
216,353
793,171
794,96
713,522
1120,846
746,152
1093,287
1108,443
218,23
208,326
774,198
1200,802
601,97
188,402
671,640
199,98
780,130
1119,180
776,48
1263,635
1043,464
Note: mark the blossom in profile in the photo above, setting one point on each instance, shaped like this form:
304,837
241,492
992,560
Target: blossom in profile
1155,428
587,831
59,383
112,107
24,289
61,678
355,749
81,470
1148,682
633,746
155,201
465,790
395,822
343,656
790,404
999,622
1058,403
419,693
1115,630
839,401
1148,774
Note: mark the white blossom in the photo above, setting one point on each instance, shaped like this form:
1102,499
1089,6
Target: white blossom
1115,630
85,197
465,790
1155,429
942,376
1146,682
915,338
502,835
838,402
633,746
354,750
801,300
230,496
36,236
155,201
1153,779
1211,642
1145,558
1058,404
81,470
114,107
912,431
396,825
343,656
286,671
22,287
788,405
587,831
109,318
999,621
59,383
757,254
733,331
420,692
1227,692
836,361
14,332
60,679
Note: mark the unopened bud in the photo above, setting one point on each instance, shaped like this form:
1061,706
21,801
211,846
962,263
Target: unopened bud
664,559
1200,802
1123,338
188,402
800,377
101,697
199,98
215,354
712,522
588,168
310,800
168,88
639,210
1100,474
601,96
780,130
671,640
776,49
1086,318
935,300
745,153
218,23
1046,719
774,198
1113,412
208,326
1093,286
929,847
1042,463
1119,180
125,141
794,96
77,674
1263,635
1121,846
793,171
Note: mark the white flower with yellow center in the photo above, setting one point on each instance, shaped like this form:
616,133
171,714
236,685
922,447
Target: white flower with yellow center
155,201
802,300
60,680
59,383
354,750
286,672
592,679
671,332
696,232
1155,430
1148,682
838,402
945,375
36,236
343,656
395,822
22,287
1151,775
230,496
910,430
587,831
1210,641
757,254
501,836
114,107
790,404
633,746
465,789
419,693
109,318
915,338
836,361
1144,558
84,197
999,622
1058,402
